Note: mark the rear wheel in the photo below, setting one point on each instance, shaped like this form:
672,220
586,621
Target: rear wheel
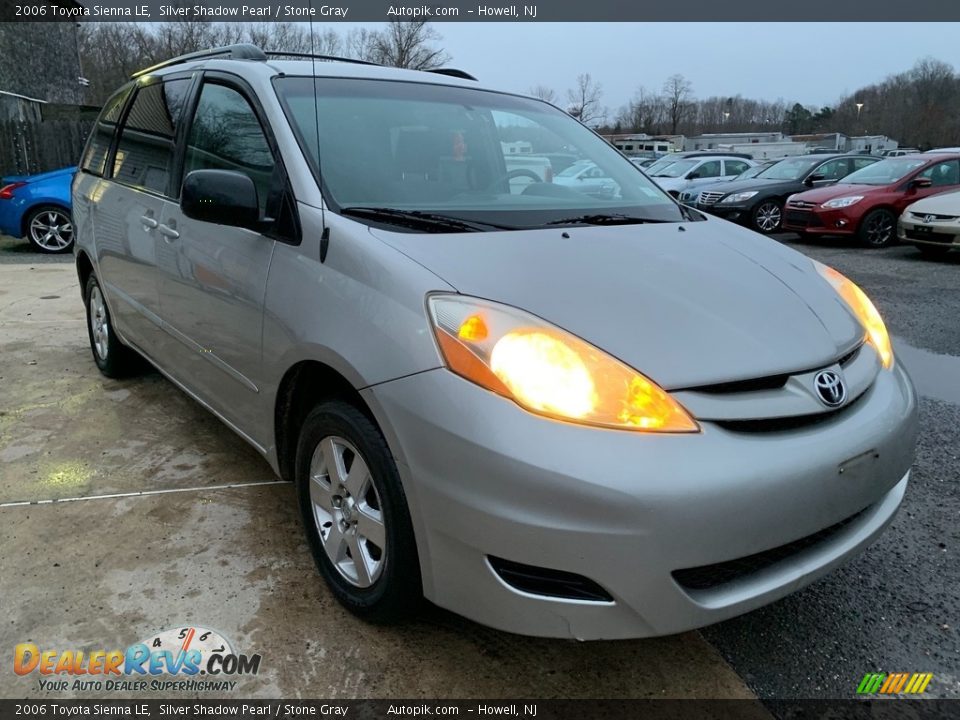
112,357
767,216
878,229
50,229
355,514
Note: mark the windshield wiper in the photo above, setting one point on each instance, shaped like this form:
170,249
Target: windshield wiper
421,220
606,219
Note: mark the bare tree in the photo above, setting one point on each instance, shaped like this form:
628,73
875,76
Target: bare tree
410,45
677,92
585,99
544,93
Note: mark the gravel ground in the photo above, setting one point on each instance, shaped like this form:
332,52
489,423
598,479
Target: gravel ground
14,250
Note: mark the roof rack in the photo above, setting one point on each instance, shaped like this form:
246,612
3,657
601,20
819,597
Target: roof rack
240,51
453,72
312,56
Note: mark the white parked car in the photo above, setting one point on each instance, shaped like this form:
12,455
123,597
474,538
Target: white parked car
697,171
588,178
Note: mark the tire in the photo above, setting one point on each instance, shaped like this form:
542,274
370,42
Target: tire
114,359
385,587
50,229
878,229
767,216
932,251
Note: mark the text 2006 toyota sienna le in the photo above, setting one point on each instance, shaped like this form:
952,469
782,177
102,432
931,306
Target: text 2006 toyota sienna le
553,413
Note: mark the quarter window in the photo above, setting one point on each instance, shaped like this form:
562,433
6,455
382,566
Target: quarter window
145,151
226,135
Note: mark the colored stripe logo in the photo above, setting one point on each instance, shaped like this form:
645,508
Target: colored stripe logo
894,683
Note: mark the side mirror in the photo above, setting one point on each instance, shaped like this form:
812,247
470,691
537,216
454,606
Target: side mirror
921,182
693,176
224,197
811,179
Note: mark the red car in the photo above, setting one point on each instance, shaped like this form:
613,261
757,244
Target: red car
868,202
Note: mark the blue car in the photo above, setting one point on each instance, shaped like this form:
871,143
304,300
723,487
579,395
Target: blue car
38,207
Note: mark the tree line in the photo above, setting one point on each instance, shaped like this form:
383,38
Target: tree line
111,52
919,108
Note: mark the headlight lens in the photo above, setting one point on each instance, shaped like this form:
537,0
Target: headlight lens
857,300
739,197
547,370
842,202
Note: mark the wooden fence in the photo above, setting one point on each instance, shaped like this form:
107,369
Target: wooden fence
33,147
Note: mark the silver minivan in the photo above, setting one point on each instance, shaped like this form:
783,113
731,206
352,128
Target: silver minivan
555,412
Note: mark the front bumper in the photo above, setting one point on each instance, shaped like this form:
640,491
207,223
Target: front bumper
733,213
625,510
935,233
818,222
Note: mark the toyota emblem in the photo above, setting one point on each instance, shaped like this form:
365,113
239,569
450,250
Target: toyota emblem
830,388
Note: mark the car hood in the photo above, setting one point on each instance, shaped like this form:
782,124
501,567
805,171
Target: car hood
821,195
39,176
670,183
947,203
687,304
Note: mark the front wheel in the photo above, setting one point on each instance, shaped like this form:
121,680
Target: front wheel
355,514
114,359
767,216
50,229
878,229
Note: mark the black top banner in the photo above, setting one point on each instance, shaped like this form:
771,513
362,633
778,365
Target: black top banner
855,11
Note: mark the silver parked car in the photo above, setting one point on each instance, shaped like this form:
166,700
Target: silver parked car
554,413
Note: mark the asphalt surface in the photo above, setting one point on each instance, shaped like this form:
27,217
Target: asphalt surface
895,608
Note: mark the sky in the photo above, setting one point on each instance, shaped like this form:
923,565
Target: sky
811,63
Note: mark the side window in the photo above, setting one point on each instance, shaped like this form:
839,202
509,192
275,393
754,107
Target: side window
145,151
945,173
226,135
735,167
833,169
95,154
709,169
860,163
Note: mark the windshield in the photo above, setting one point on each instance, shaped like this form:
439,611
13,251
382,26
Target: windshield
751,172
789,169
459,153
884,172
677,169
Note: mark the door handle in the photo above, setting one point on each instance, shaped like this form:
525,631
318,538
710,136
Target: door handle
148,221
168,232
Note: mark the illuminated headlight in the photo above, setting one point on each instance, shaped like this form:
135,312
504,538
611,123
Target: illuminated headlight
842,202
739,197
547,370
864,310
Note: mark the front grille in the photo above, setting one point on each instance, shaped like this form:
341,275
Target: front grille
786,424
709,198
707,577
796,218
801,204
547,582
932,216
929,236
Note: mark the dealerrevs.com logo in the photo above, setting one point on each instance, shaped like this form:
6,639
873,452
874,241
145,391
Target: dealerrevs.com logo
172,660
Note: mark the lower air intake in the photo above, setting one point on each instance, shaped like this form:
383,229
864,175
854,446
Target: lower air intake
547,582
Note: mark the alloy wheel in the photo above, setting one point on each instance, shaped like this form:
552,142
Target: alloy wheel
768,217
99,324
51,230
879,229
347,511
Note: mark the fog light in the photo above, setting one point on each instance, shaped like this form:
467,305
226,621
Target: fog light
841,223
